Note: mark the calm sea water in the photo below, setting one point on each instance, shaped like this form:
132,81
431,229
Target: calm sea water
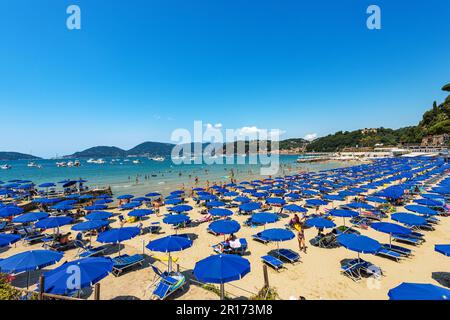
126,177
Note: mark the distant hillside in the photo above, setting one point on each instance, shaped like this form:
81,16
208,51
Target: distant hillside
99,152
434,122
151,149
5,156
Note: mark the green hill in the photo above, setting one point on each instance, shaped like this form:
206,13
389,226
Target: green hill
99,152
5,156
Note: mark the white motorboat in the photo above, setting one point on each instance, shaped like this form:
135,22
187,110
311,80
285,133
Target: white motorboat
5,167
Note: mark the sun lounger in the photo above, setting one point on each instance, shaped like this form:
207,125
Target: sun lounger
386,252
257,237
125,262
89,251
352,269
407,239
273,262
168,283
288,255
227,249
403,251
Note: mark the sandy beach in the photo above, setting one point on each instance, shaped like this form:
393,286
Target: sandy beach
316,276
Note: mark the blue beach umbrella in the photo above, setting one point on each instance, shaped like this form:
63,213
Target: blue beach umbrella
96,207
138,213
29,261
320,223
125,197
390,228
173,201
359,243
443,248
9,211
429,202
176,219
376,199
7,239
221,268
118,235
30,217
242,199
277,234
264,218
90,270
225,226
418,291
421,210
408,219
169,244
250,206
360,205
316,202
294,208
181,208
220,212
153,194
62,207
278,201
99,215
90,225
47,185
130,205
213,204
344,213
86,197
53,222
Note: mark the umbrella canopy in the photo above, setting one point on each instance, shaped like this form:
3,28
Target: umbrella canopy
429,202
169,244
418,291
138,213
47,185
10,211
96,207
30,217
320,223
153,194
358,243
118,235
221,268
294,208
125,197
316,202
242,199
173,201
264,217
390,228
53,222
360,205
276,201
376,199
343,213
99,215
90,225
250,206
212,204
277,234
220,212
131,205
29,260
408,219
181,208
421,210
90,271
443,248
176,219
7,239
225,226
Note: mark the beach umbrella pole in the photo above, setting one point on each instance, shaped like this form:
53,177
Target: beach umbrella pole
222,291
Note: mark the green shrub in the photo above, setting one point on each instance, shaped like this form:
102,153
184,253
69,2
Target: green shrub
266,293
7,291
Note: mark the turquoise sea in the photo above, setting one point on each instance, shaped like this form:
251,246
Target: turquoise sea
126,177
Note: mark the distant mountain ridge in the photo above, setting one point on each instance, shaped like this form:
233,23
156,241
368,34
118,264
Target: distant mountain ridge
6,156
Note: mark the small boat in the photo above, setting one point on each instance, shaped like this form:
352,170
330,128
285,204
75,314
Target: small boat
33,165
5,167
137,161
91,160
158,159
98,161
61,164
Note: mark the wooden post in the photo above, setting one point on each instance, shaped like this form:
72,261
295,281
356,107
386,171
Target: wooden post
266,276
178,267
41,287
97,291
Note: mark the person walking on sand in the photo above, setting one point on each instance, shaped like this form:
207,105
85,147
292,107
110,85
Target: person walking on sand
301,238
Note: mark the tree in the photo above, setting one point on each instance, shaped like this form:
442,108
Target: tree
446,87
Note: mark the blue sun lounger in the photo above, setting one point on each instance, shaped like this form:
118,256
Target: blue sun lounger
257,237
125,262
273,262
89,251
407,239
403,251
167,284
386,252
352,269
287,254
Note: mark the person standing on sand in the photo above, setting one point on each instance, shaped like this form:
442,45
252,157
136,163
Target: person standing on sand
301,238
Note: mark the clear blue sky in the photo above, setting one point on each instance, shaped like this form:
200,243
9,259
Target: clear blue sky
139,69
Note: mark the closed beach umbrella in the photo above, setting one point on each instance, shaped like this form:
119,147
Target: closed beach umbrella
99,215
220,212
29,261
225,226
7,239
90,271
30,217
443,248
418,291
221,268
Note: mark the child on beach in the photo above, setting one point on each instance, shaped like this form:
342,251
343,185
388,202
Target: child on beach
301,238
